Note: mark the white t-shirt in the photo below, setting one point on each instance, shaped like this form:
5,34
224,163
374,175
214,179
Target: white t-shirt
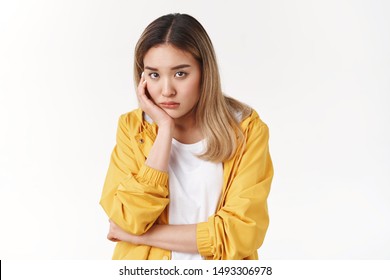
195,187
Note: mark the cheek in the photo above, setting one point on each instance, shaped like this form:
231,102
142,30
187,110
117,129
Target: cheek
193,89
192,85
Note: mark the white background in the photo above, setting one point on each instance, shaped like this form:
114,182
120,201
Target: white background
318,73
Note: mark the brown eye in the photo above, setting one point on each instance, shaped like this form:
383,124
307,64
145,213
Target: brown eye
153,75
180,74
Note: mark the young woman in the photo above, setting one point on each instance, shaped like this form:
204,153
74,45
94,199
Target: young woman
191,170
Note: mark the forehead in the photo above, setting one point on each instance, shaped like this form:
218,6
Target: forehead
167,56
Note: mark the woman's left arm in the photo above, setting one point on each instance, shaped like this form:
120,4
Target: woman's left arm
179,238
238,228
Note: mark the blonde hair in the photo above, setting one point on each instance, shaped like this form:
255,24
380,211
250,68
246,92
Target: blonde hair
216,114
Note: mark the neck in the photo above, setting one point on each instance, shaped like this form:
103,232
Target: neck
186,122
187,131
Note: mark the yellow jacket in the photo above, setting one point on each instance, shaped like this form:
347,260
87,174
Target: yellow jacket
135,196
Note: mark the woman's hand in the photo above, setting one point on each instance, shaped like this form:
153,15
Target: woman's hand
116,234
158,115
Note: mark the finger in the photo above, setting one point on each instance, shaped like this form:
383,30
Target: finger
141,89
144,101
141,86
111,237
142,80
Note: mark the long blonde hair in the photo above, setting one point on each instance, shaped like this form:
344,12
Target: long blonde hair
216,114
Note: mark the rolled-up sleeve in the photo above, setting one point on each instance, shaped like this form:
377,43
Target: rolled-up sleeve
134,195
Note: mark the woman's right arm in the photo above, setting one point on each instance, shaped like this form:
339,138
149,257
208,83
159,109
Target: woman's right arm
158,157
134,194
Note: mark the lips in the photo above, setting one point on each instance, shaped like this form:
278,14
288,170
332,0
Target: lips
169,105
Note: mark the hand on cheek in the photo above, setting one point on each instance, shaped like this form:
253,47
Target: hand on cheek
158,115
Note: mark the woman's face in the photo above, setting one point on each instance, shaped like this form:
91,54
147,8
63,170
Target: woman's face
173,80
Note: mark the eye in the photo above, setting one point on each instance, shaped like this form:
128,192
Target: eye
153,75
180,74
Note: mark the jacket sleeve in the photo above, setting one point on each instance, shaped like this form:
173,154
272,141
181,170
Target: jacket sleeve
238,229
134,195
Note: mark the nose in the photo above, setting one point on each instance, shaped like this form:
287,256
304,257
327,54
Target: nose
167,89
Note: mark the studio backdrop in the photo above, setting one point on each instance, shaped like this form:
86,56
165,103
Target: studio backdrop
317,72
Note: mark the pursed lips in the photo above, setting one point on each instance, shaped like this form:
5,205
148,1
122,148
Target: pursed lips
169,105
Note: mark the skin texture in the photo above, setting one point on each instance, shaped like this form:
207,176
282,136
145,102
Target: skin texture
173,75
168,91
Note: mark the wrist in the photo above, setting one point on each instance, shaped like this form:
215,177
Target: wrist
138,240
141,239
166,128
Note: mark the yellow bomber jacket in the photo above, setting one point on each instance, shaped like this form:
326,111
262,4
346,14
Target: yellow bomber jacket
136,196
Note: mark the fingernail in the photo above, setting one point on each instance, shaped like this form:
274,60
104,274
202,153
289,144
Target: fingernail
142,75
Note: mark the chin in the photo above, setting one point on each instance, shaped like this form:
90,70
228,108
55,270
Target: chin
172,113
175,116
178,114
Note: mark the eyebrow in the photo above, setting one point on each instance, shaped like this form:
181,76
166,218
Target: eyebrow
181,66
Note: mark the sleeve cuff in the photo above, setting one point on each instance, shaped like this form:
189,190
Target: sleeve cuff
203,239
152,176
